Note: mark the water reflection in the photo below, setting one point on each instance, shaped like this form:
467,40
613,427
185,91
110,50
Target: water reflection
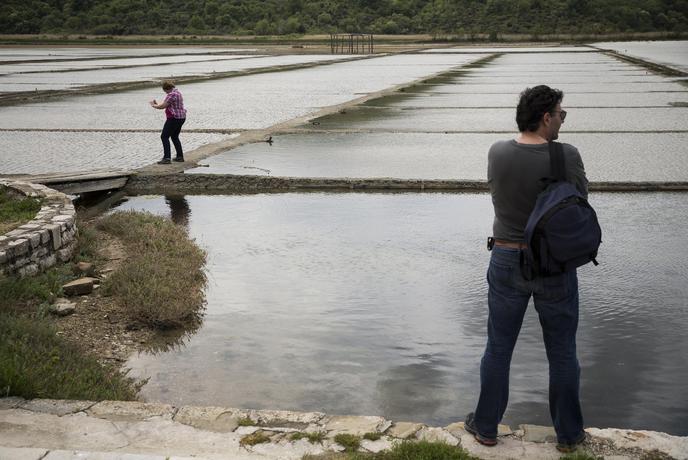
375,304
179,209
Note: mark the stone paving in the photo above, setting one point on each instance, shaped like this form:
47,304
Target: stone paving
55,430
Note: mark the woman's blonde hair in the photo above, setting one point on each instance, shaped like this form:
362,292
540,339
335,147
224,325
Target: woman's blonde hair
167,85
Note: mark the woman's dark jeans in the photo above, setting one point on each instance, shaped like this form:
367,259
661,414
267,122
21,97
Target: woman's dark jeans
172,128
556,302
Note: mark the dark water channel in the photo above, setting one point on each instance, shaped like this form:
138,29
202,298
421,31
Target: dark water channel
375,304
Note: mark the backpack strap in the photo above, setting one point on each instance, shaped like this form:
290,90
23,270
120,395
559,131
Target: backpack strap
557,162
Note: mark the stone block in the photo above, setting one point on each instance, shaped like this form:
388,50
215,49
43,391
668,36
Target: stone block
65,254
56,236
280,418
45,236
22,453
80,286
59,407
437,435
356,425
28,270
217,419
3,257
29,226
47,261
404,430
130,410
3,239
19,247
376,446
35,240
537,433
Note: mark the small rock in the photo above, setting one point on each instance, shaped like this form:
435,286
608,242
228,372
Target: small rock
85,268
404,430
536,433
81,286
62,307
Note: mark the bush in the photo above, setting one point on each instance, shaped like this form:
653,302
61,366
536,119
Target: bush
161,283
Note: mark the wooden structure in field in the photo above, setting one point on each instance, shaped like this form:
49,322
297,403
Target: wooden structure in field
351,43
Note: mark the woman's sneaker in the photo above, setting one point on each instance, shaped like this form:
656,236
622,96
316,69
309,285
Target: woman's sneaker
469,426
568,447
164,161
179,159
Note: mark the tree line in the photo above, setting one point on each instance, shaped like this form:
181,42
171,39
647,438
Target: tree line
284,17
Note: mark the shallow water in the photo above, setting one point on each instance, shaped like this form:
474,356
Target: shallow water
255,101
607,119
375,304
49,152
607,157
23,53
66,80
673,53
61,66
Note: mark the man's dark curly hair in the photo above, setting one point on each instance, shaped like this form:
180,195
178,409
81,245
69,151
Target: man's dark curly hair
534,103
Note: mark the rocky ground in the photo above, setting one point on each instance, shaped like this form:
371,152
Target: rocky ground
48,429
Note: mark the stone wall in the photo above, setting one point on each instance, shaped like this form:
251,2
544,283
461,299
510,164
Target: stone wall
46,240
228,183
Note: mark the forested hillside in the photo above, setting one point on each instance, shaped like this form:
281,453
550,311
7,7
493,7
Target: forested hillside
279,17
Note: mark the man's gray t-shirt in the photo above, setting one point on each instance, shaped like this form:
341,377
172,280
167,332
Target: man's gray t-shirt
513,174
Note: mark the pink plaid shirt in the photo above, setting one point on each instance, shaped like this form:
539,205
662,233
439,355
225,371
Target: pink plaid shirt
175,104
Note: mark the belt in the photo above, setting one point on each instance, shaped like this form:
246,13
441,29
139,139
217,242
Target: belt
510,244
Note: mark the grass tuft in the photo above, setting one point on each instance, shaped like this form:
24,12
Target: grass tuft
256,438
350,442
36,363
406,450
161,283
16,210
313,438
580,455
372,436
246,421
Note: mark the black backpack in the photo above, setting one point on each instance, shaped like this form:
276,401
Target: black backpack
562,232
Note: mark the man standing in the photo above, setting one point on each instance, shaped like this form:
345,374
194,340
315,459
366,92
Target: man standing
515,168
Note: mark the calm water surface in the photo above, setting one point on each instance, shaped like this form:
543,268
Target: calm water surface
607,156
671,52
375,304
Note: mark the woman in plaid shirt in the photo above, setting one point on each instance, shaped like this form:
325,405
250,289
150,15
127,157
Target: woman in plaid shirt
176,116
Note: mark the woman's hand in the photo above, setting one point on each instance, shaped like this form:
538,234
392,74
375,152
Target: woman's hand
153,103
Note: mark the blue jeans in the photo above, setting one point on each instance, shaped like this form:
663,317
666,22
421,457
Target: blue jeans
556,302
171,129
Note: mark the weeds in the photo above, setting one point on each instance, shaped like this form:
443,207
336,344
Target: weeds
15,211
406,450
256,438
349,442
161,283
372,436
580,455
36,363
22,295
313,438
245,421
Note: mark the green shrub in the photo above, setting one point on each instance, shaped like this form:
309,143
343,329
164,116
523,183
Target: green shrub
36,363
349,442
372,436
161,283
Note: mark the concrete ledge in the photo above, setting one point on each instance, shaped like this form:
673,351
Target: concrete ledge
43,429
228,183
39,244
